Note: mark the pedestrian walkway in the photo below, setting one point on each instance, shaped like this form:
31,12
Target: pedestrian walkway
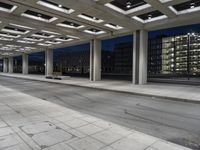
177,92
30,123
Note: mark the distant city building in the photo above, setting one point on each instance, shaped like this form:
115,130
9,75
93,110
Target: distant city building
117,61
176,56
123,54
17,64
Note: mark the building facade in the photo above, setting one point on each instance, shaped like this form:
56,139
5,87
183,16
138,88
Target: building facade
175,56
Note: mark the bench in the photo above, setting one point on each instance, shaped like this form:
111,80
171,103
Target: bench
57,76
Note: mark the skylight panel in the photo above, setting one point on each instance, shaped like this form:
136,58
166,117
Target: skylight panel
7,7
128,6
90,18
71,25
55,6
150,17
14,30
38,16
113,26
94,31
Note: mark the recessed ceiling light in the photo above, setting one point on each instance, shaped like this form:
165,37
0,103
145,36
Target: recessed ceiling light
14,30
42,35
16,46
71,25
7,7
33,39
6,39
54,6
150,17
9,35
186,7
53,42
43,44
192,5
165,1
62,39
90,18
127,7
113,26
38,16
73,37
50,32
94,31
128,4
24,41
21,26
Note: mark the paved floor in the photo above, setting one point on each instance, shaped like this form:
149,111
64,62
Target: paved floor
171,91
177,122
29,123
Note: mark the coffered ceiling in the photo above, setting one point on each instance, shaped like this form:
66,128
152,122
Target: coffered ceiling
33,25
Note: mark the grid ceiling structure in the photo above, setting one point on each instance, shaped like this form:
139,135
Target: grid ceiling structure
33,25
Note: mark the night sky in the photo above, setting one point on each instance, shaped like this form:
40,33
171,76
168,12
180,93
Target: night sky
175,31
110,43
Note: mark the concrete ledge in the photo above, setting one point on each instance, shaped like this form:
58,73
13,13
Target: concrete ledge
58,77
177,93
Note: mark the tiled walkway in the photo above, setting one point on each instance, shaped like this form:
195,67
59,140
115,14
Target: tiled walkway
29,123
187,93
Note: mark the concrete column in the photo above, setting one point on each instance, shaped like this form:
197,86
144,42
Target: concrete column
25,63
140,49
5,65
49,62
95,60
10,64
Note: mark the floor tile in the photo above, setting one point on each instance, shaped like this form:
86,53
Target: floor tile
38,127
60,146
107,136
52,137
128,144
90,129
76,123
86,143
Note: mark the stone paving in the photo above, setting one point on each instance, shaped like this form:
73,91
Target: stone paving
29,123
177,92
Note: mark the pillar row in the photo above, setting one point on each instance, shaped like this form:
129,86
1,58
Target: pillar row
95,60
140,49
25,63
10,64
5,65
49,62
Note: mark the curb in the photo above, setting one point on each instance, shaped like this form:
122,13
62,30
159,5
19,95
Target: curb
126,92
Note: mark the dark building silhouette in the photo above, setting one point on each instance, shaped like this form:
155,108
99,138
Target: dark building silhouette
17,64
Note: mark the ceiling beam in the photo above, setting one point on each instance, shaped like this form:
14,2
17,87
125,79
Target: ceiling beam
159,6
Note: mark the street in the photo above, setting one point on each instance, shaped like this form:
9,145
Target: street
177,122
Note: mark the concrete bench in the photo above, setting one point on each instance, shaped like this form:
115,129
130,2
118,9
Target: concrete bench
58,76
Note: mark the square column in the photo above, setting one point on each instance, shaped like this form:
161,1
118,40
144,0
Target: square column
25,63
5,65
95,60
49,62
140,50
10,64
